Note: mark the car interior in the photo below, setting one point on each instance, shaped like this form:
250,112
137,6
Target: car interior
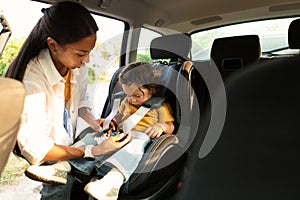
233,88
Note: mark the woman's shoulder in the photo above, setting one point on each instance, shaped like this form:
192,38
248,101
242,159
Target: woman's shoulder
34,79
35,65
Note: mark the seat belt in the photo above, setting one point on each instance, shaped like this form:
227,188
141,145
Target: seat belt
130,122
152,103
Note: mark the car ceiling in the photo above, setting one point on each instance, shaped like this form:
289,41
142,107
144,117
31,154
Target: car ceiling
189,15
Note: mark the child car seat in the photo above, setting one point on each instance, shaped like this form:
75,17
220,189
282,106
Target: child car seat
160,169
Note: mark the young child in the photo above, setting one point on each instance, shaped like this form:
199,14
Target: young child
139,82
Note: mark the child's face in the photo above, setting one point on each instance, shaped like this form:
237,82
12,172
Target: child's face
136,95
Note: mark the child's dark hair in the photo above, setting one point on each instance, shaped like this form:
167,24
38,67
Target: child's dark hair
66,22
143,74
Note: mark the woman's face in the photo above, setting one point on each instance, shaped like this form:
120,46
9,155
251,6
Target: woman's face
74,55
136,95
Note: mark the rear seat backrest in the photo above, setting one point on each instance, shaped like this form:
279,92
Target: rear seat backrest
174,47
257,153
293,34
232,53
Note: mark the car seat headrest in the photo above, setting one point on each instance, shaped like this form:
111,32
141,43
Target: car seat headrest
171,46
293,34
231,53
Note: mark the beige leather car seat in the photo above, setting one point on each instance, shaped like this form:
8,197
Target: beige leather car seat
12,95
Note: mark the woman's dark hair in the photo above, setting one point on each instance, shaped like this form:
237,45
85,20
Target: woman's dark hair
66,22
143,74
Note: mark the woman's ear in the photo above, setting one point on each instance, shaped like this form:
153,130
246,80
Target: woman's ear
52,44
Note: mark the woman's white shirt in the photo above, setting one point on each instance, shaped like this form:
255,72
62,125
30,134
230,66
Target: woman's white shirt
42,118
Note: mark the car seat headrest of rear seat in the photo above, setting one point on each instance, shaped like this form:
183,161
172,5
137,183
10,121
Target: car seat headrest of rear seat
294,32
231,53
171,46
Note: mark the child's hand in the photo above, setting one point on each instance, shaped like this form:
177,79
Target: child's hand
155,131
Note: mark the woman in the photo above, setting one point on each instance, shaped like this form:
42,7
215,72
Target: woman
139,82
51,66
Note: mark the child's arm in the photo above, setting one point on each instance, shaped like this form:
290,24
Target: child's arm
168,127
118,118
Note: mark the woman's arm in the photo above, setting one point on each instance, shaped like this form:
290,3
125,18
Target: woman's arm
86,114
61,152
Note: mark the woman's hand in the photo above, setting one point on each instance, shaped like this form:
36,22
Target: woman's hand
86,114
96,124
111,144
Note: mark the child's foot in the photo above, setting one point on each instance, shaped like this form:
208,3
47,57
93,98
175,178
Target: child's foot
56,174
106,188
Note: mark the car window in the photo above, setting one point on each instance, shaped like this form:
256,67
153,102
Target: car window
272,33
104,59
143,50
